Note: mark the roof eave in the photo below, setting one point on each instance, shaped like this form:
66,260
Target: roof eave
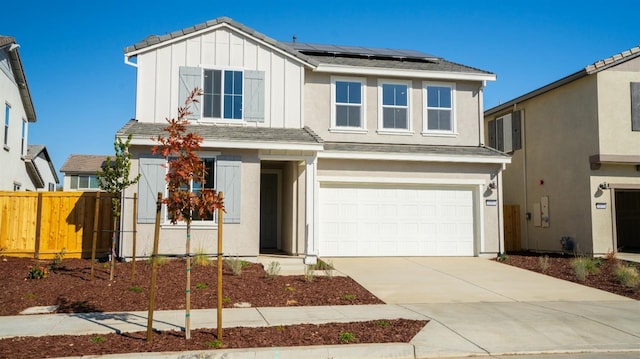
419,157
421,74
21,81
255,145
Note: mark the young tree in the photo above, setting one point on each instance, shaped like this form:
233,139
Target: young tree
185,168
114,179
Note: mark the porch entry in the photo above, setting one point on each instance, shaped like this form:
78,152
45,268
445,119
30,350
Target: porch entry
627,213
269,210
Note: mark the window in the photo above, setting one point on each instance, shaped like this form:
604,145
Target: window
23,142
504,132
84,182
7,111
395,106
197,187
635,106
16,186
347,97
222,97
439,109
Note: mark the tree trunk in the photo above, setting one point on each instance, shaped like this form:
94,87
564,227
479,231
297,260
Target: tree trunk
187,318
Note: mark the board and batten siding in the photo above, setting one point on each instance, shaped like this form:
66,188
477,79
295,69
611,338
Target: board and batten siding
159,69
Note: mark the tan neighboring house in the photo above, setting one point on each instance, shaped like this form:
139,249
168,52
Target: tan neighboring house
575,170
18,173
320,150
80,172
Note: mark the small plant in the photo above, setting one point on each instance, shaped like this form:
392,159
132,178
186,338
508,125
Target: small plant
309,273
38,271
216,344
328,270
135,289
350,297
235,264
201,258
628,276
322,265
200,285
383,323
226,300
97,339
346,337
279,328
543,263
289,288
273,269
611,255
56,262
502,257
30,296
583,266
160,260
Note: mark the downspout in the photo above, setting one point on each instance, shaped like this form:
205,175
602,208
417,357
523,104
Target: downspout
523,130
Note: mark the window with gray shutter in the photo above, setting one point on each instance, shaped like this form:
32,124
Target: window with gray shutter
505,132
190,78
516,125
152,181
254,96
229,183
635,106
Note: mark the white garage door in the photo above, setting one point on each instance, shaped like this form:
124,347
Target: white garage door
360,220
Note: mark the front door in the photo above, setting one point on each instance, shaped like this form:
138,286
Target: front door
628,220
269,211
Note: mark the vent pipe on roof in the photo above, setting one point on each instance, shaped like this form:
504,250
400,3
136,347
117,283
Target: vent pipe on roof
294,38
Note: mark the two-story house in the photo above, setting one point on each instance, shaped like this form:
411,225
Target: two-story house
576,158
320,150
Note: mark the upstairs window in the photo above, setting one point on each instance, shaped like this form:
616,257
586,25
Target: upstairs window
347,97
439,109
23,142
222,97
504,132
395,106
7,112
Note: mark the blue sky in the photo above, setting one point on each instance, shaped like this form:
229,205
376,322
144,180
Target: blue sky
83,92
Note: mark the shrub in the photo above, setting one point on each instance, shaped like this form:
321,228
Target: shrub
328,270
38,271
216,344
347,337
97,339
503,257
201,258
235,264
56,262
544,264
627,275
200,285
309,273
273,269
583,266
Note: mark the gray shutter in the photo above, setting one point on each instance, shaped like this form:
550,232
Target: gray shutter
516,125
492,134
507,131
190,78
254,96
499,135
228,181
635,106
152,181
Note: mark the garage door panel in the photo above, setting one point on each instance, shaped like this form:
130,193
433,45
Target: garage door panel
386,221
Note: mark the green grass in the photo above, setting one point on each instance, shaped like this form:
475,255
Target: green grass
217,344
350,297
97,339
135,289
201,285
346,337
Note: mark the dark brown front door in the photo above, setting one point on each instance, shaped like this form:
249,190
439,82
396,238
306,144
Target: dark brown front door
269,211
628,220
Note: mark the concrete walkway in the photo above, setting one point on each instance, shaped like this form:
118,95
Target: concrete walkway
494,310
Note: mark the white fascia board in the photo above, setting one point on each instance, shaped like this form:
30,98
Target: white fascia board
450,182
140,141
414,157
421,74
208,29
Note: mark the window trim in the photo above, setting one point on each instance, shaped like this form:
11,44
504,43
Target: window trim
425,110
394,131
221,119
213,223
363,123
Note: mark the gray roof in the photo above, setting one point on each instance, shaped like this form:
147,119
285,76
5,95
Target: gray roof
228,133
87,164
586,71
34,151
20,77
417,149
157,39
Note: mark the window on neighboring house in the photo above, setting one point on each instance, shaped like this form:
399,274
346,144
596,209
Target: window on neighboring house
52,186
16,186
23,142
197,187
347,103
222,95
504,132
395,105
439,112
84,182
7,111
635,106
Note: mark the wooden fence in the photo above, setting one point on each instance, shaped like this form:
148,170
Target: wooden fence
41,224
512,228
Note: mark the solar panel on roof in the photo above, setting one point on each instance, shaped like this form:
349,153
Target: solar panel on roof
361,51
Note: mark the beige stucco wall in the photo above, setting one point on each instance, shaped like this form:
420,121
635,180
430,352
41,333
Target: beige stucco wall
241,239
559,134
317,94
436,175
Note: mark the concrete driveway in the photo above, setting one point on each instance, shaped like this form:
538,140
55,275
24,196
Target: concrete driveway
411,280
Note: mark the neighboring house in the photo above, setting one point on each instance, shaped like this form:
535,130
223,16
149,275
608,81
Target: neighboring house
576,158
80,172
319,150
40,168
17,112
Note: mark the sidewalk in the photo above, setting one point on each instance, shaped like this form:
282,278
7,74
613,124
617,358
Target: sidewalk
455,330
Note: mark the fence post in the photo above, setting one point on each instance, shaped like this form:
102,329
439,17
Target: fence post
135,234
154,270
36,250
219,307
